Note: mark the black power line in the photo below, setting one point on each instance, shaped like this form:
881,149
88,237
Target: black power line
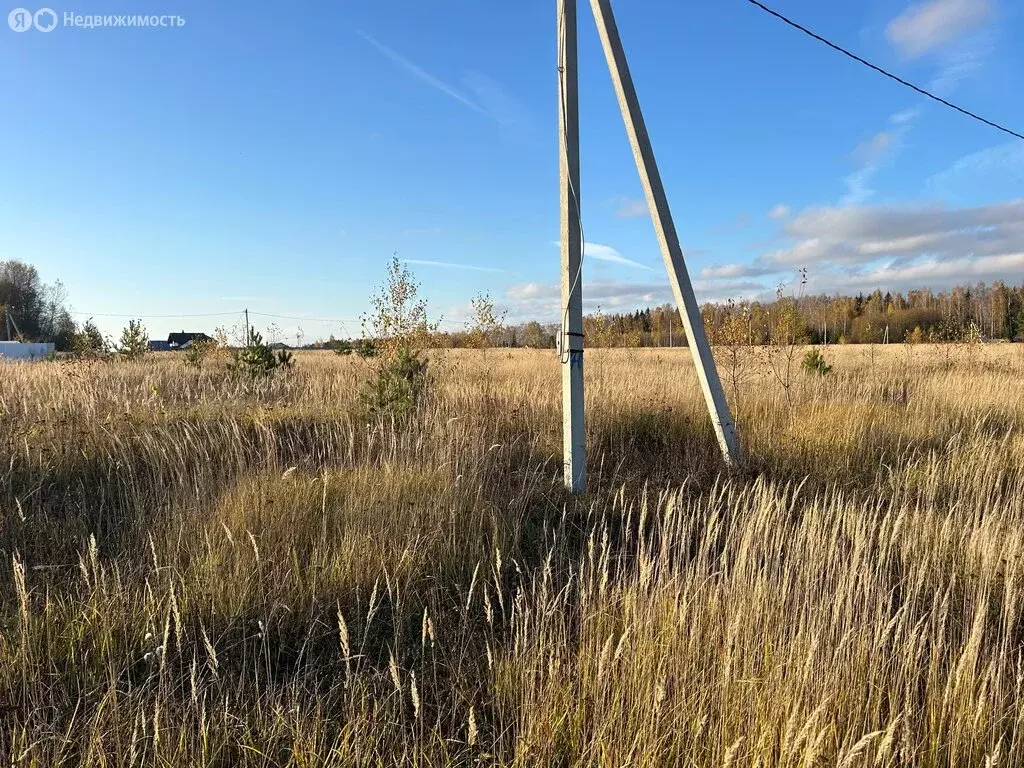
881,71
308,319
144,316
333,320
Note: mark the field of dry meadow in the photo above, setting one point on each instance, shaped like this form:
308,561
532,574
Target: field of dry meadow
199,572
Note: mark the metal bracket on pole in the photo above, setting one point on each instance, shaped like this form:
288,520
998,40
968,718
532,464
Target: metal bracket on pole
570,342
671,251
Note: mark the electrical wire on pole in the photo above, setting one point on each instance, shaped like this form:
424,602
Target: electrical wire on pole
571,243
884,72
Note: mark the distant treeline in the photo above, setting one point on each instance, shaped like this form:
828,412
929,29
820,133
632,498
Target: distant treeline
980,311
34,311
31,310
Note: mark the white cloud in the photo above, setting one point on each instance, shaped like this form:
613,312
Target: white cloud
913,243
905,116
857,185
961,61
421,74
1002,161
847,249
875,148
607,253
499,105
539,301
864,222
721,272
779,211
932,273
451,265
489,97
850,248
630,207
956,34
873,154
929,26
542,299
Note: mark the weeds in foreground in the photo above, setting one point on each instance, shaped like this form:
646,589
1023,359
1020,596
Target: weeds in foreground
216,578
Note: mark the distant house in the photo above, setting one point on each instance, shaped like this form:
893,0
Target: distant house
159,345
183,339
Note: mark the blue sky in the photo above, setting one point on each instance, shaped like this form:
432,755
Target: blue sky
276,156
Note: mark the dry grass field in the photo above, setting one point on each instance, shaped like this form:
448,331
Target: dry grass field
194,572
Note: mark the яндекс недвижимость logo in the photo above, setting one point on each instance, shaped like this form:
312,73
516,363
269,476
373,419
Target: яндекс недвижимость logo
22,19
47,20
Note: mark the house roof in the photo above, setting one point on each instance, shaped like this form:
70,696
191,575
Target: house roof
183,338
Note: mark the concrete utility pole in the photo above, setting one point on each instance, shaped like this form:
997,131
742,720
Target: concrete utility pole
570,346
9,322
671,251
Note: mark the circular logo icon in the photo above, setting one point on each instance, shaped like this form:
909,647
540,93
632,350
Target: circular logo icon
45,20
20,19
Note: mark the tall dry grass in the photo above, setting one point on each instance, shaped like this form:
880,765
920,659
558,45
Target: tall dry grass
197,572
